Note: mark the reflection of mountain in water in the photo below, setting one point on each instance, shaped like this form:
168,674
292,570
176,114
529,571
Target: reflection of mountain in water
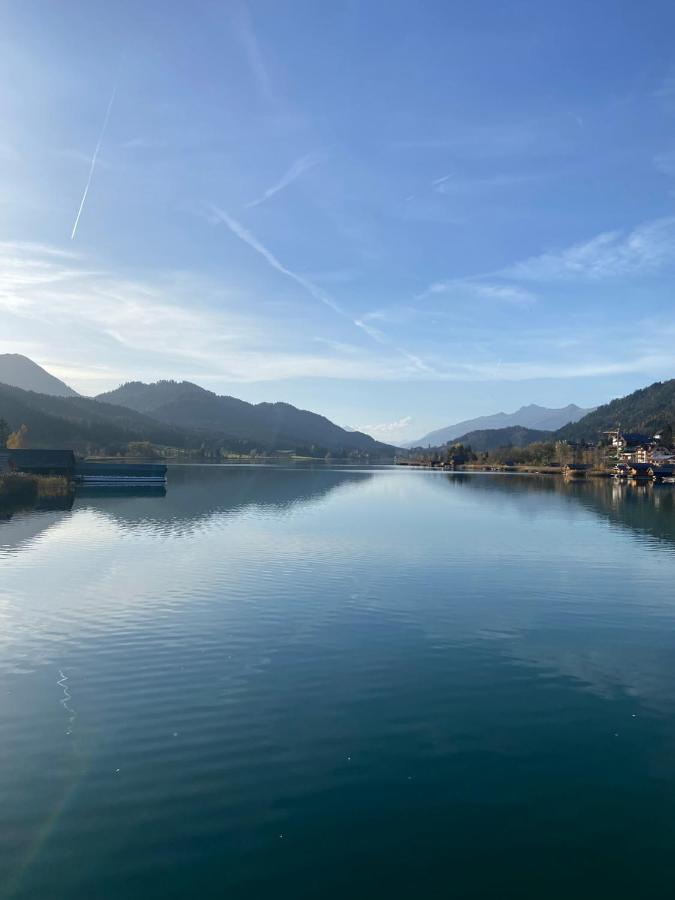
196,493
599,640
648,509
19,523
23,527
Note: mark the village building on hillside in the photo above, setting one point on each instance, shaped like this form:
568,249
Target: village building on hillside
642,449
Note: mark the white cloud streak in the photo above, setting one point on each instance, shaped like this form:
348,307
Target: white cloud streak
93,161
647,249
114,328
466,289
292,174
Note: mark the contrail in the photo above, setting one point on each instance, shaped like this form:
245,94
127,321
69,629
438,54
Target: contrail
248,238
93,161
299,166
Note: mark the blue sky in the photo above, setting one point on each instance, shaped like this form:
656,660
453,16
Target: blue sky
397,214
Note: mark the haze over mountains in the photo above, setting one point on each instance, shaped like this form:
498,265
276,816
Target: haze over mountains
647,411
537,418
184,415
20,371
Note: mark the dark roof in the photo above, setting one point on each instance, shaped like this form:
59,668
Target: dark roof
632,438
640,467
42,459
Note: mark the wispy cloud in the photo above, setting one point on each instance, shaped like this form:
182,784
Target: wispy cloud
252,49
496,181
388,431
114,327
290,175
647,249
476,289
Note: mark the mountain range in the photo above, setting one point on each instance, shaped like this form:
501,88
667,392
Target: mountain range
185,416
539,418
186,405
168,413
645,411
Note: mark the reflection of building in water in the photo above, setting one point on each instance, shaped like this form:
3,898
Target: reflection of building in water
629,505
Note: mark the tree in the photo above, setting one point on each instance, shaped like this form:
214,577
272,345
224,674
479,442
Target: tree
4,433
18,439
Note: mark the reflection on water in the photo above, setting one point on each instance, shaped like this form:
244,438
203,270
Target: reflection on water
304,682
646,507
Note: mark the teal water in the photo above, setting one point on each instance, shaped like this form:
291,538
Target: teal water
335,683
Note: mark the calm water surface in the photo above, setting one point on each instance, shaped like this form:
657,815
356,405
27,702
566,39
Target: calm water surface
334,683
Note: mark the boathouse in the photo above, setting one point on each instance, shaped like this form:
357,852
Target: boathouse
575,470
658,473
640,470
43,462
120,474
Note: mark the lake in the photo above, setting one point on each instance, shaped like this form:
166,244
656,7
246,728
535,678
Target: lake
329,682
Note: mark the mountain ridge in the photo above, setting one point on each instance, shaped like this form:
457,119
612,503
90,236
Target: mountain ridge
20,371
533,416
90,425
188,405
499,438
645,410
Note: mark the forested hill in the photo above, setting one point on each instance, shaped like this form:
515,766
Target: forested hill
95,426
80,423
495,438
645,410
280,425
